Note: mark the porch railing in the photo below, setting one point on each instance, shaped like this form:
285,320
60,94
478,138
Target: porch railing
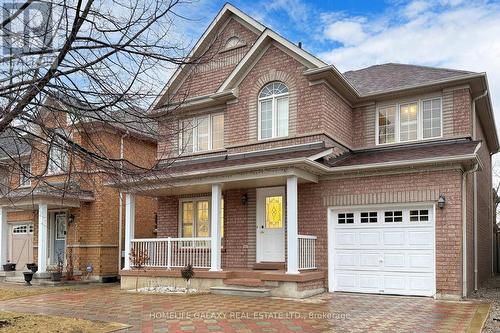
307,252
174,252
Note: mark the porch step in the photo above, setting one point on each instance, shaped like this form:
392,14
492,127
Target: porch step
269,265
244,282
241,291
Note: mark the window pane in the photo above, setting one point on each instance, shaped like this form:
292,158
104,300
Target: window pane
202,134
187,136
274,212
387,124
431,114
25,175
58,158
202,221
218,131
282,115
187,219
408,122
266,119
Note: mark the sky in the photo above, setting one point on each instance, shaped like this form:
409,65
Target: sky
352,34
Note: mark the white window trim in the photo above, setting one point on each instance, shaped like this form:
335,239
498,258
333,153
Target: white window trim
274,116
420,126
28,183
195,120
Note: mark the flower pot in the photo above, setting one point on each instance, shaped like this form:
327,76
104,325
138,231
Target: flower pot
32,267
28,276
9,267
55,276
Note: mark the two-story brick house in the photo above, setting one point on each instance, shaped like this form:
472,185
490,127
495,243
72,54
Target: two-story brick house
54,204
292,177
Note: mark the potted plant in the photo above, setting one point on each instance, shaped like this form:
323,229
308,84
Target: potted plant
9,267
32,267
28,276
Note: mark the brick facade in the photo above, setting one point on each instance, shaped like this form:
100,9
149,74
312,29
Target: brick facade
318,113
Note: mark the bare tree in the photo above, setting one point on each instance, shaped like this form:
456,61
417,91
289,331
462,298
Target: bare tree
71,68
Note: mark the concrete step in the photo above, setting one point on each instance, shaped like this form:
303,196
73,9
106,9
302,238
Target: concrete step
241,291
269,265
244,282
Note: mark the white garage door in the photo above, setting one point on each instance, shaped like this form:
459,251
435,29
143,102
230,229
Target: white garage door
385,251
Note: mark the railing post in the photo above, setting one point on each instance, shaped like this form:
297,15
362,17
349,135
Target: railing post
169,252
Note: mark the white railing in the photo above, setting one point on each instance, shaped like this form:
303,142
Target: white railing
174,252
307,252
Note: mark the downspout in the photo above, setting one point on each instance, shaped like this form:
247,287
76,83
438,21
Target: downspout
120,207
474,137
464,227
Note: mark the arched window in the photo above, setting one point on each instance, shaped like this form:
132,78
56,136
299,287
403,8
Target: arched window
273,111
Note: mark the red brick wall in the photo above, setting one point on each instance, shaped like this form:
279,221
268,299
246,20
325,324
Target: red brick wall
313,215
214,66
462,122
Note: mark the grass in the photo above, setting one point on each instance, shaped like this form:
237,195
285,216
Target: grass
25,322
21,322
11,293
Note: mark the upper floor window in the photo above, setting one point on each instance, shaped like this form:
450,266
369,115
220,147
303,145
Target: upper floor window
233,42
24,177
416,120
201,133
273,111
58,156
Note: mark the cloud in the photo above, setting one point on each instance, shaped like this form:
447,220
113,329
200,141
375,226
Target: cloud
347,32
453,35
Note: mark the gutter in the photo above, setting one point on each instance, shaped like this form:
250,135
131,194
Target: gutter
120,204
464,227
474,137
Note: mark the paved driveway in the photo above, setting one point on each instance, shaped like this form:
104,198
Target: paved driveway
216,313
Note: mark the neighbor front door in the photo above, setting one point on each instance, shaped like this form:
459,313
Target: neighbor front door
271,224
59,237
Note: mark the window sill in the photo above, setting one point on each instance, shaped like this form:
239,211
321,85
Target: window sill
404,143
278,138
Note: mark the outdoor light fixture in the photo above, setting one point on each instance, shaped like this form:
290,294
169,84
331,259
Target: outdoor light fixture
441,201
71,218
244,199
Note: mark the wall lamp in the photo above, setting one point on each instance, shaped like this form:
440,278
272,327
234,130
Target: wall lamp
441,201
71,219
244,199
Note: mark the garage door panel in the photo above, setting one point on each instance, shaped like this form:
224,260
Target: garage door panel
385,257
371,238
343,238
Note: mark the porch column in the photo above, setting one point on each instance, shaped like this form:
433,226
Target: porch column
215,228
129,226
4,238
292,262
43,229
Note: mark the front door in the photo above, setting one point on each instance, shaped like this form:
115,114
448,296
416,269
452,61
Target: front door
59,237
271,224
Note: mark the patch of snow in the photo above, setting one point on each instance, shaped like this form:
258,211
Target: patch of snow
166,290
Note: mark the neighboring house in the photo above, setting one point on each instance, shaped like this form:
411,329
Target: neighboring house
56,205
300,179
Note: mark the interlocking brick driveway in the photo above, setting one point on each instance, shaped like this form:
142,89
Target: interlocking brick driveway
180,313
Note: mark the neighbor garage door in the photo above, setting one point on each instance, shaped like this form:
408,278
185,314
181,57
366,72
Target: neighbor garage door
385,251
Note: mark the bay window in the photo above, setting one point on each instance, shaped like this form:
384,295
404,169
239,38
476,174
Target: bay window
273,111
201,134
409,121
195,218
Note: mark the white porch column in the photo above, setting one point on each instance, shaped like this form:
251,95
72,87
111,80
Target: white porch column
215,228
292,263
129,226
4,235
43,228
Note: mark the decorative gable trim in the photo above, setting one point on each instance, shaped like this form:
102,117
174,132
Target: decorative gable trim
249,60
219,21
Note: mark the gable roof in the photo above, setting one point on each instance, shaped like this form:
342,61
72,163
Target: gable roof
12,145
224,14
392,76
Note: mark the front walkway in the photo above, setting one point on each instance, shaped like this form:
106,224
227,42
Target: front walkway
216,313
